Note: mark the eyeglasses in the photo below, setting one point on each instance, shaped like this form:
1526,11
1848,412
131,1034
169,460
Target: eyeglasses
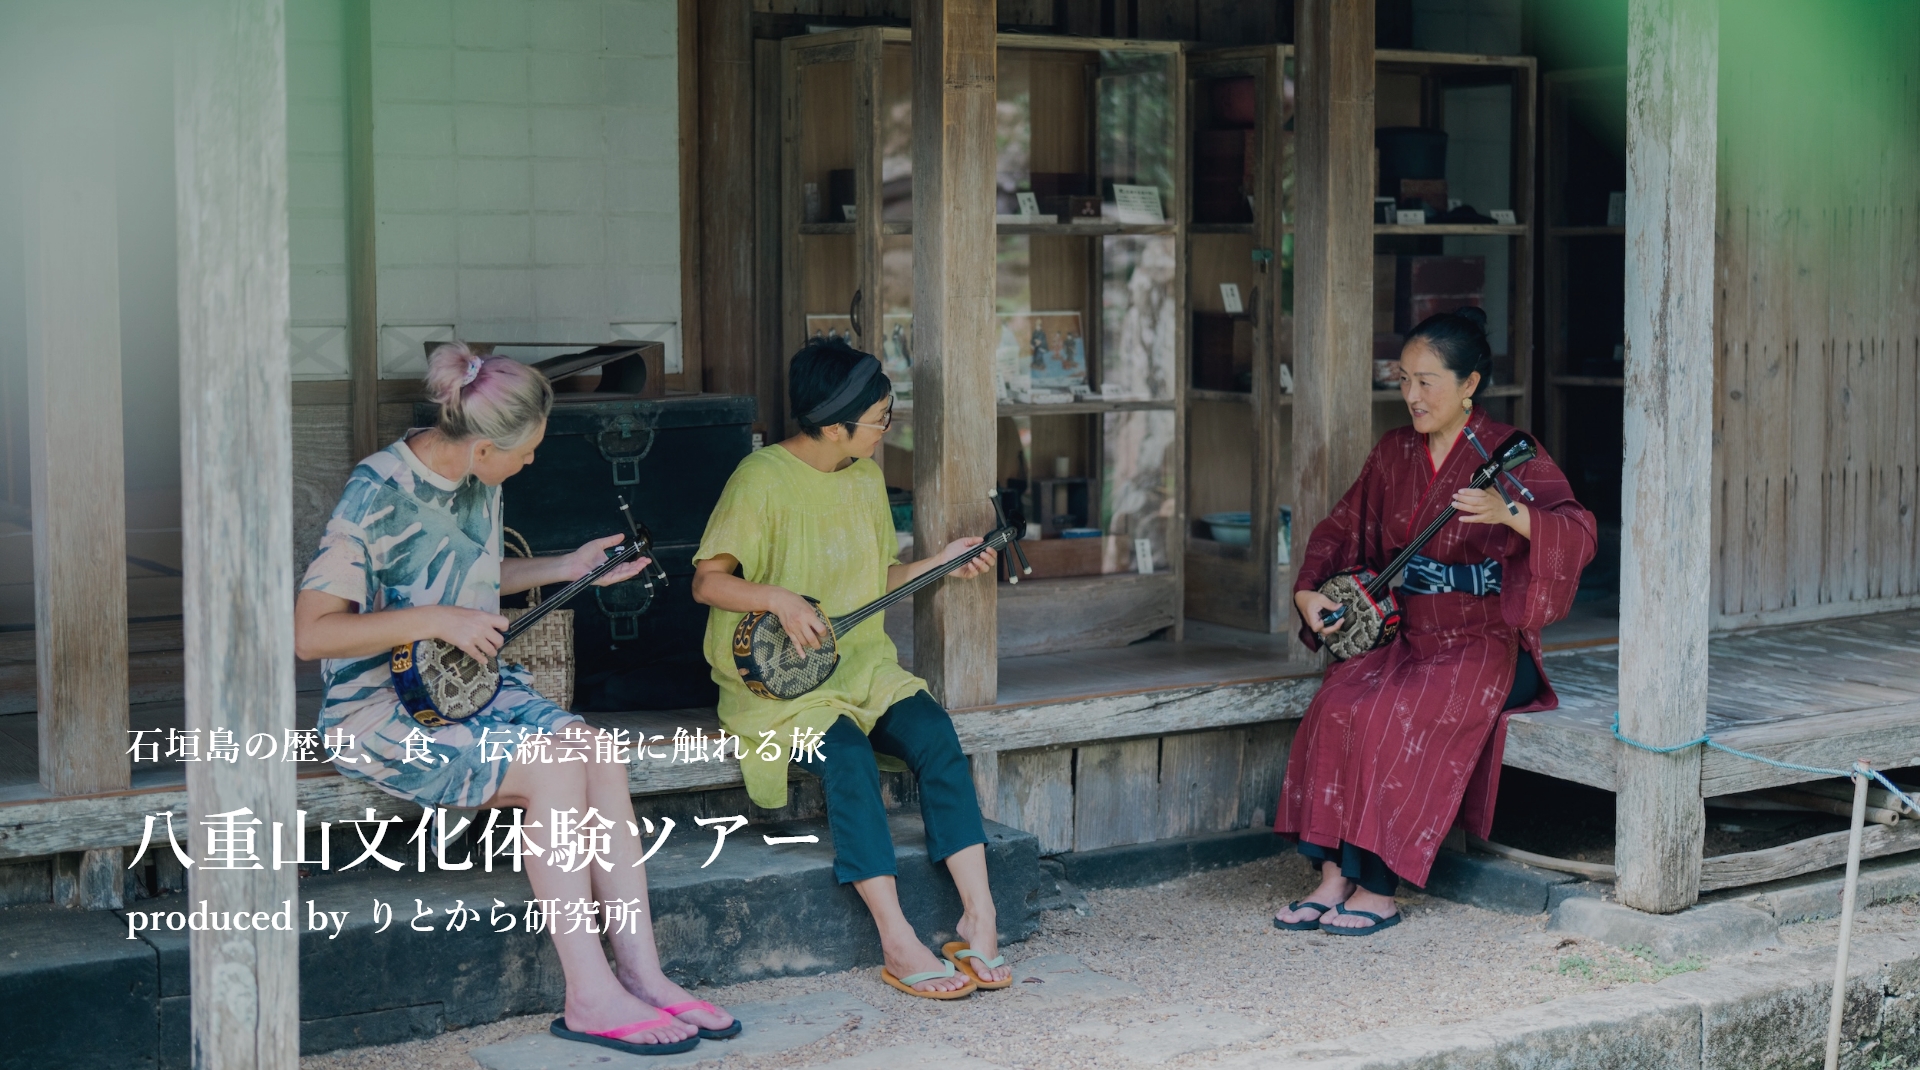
886,419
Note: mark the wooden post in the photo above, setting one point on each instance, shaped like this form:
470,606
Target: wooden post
76,455
692,299
230,138
363,265
1666,556
1332,256
728,257
954,641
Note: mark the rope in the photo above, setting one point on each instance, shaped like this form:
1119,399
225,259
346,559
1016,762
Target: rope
1709,741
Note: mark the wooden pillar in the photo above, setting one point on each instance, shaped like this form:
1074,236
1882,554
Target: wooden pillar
77,459
230,148
1666,555
363,265
728,257
692,200
953,336
1332,255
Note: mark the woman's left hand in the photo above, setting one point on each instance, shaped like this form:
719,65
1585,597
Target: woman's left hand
1485,507
594,554
976,567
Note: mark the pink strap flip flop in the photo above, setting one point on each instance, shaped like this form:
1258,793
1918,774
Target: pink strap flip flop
611,1038
679,1009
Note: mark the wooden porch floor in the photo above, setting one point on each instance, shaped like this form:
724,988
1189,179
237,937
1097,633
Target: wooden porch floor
1820,694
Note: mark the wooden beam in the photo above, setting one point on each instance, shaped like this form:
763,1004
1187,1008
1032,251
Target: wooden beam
767,346
729,256
230,148
692,337
363,266
76,452
1332,255
33,829
953,334
1666,556
1805,856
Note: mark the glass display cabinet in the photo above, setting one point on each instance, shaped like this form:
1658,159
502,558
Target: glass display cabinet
1239,412
1584,335
1091,295
1454,220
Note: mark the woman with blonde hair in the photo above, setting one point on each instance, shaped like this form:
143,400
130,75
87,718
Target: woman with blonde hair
412,552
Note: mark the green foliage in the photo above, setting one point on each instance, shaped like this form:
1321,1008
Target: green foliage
1637,964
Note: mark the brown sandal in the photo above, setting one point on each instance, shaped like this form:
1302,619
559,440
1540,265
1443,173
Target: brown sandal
905,984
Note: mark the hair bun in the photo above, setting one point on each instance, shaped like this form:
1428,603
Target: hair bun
1473,314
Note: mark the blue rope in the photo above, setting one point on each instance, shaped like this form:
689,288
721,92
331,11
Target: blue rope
1709,741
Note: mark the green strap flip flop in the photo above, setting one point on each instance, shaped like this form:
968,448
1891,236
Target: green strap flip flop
956,952
905,984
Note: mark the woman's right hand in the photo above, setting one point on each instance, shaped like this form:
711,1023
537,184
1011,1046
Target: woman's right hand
472,630
798,617
1311,604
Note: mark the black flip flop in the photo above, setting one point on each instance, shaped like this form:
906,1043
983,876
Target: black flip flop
559,1029
1302,926
1379,923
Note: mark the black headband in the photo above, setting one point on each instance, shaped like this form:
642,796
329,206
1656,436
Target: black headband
857,379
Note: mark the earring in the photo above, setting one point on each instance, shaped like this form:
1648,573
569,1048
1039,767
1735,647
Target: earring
1466,404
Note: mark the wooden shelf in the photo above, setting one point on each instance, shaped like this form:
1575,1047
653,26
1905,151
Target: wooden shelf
1517,230
1220,228
1008,408
1197,394
1091,230
1504,390
1586,232
1615,381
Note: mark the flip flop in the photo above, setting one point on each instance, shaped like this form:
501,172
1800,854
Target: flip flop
1379,923
611,1038
678,1009
956,952
905,984
1302,926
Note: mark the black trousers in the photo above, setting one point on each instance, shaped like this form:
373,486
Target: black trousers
1367,869
918,731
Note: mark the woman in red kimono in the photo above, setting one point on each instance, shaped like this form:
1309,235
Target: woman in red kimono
1406,738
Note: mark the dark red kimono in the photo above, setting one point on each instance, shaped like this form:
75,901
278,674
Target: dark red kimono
1404,738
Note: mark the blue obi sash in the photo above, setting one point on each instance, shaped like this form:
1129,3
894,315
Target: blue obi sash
1426,576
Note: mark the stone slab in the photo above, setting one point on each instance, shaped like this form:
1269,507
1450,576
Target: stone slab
1494,883
909,1057
1136,865
1817,895
770,1029
757,911
75,992
1632,1027
1065,979
1709,930
1190,1030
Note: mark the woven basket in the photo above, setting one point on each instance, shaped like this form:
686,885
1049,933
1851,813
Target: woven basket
546,649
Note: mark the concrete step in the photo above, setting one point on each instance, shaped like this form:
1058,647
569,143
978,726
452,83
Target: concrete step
80,994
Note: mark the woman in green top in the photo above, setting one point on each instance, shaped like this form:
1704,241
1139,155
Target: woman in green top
809,516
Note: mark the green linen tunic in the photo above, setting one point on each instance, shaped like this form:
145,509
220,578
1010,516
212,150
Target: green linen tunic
827,535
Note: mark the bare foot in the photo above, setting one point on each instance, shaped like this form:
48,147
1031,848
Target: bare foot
906,956
599,1012
660,992
1333,891
1361,899
982,934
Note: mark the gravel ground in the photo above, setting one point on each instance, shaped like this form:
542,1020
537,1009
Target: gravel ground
1200,945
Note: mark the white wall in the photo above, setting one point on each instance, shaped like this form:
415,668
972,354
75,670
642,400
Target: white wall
526,175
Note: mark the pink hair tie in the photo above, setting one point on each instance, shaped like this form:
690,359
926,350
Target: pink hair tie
473,370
